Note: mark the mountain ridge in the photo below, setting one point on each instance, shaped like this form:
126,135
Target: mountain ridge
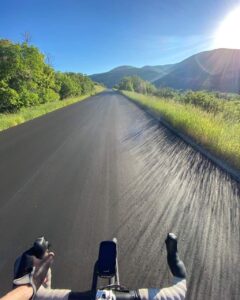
114,76
217,69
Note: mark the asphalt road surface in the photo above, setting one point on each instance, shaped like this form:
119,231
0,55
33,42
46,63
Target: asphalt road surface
103,168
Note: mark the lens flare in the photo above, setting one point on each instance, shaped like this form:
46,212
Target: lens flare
227,35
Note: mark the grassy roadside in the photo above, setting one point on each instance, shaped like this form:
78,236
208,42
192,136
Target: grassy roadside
29,113
216,134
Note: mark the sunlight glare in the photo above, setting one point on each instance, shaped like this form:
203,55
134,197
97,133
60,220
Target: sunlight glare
227,35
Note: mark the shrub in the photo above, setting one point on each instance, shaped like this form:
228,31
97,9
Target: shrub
48,95
27,98
9,98
166,93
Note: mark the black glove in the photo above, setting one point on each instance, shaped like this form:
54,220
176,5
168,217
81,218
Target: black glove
32,266
176,266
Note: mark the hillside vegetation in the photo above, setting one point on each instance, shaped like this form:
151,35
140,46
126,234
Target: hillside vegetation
30,87
136,84
27,80
211,119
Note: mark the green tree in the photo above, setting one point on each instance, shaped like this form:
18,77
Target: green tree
73,84
23,69
27,80
136,84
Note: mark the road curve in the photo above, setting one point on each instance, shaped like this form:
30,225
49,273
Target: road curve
102,168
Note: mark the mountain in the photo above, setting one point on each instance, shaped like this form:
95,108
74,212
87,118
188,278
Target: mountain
150,73
217,70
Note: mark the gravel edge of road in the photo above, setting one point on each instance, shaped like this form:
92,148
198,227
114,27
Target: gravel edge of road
234,173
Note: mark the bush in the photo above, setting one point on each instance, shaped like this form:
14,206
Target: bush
48,95
27,98
9,98
205,100
166,93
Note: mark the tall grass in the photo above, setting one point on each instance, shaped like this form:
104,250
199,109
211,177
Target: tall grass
215,132
29,113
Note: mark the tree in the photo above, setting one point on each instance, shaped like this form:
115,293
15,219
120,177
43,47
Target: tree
136,84
26,79
23,69
73,84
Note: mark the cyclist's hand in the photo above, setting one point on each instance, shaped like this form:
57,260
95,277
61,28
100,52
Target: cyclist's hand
171,244
32,266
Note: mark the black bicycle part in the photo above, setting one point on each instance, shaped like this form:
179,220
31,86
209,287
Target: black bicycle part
107,259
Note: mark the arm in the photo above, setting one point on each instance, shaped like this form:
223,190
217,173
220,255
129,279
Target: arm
24,292
33,268
179,288
51,294
24,289
175,292
30,271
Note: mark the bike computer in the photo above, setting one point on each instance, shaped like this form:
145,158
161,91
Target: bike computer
107,259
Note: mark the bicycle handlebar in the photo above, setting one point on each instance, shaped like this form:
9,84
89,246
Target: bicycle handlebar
117,292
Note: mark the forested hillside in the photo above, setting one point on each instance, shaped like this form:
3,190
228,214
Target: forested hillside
215,70
113,77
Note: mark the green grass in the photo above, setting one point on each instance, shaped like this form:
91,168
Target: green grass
216,133
29,113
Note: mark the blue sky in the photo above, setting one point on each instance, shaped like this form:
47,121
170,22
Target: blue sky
93,36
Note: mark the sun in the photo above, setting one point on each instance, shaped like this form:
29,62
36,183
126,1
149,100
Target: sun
228,34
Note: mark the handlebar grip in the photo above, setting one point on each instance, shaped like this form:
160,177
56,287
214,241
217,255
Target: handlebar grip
40,246
171,243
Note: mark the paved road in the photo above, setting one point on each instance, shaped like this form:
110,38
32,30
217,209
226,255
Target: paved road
104,168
